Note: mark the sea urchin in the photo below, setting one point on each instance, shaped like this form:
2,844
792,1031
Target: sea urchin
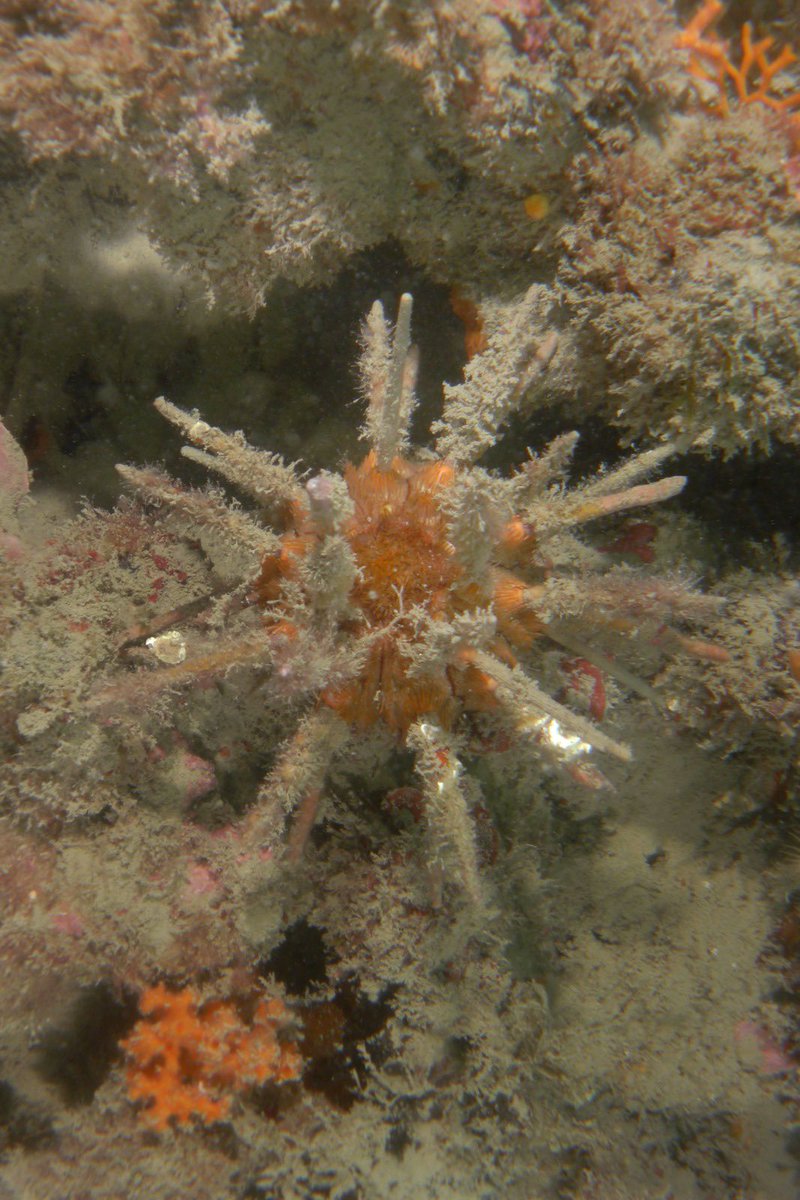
403,591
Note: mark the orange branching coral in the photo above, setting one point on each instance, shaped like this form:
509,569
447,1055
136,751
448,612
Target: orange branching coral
752,79
189,1059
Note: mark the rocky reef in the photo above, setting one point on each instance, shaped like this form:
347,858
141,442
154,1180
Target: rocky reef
398,791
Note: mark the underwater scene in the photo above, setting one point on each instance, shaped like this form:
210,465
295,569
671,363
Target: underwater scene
399,599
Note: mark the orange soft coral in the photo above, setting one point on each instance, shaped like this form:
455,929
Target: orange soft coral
188,1059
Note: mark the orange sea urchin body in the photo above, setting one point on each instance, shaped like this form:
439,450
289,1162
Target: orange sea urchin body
407,567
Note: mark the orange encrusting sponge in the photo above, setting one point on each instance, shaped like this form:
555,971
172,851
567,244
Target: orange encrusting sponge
188,1059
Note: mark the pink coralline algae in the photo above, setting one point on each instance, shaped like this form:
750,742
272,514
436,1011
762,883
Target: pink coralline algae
527,28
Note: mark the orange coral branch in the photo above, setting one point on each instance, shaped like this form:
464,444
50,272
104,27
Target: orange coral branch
710,61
